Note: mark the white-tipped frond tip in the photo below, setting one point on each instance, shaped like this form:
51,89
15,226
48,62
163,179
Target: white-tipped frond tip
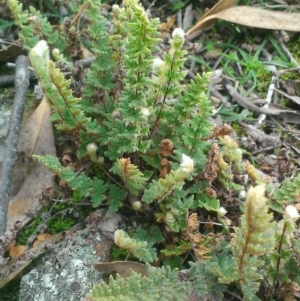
187,164
178,33
291,213
41,48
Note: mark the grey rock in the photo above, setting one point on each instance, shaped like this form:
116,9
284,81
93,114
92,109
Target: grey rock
65,274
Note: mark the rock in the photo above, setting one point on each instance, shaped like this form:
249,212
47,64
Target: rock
65,274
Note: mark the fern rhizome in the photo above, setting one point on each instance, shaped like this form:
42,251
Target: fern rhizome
148,134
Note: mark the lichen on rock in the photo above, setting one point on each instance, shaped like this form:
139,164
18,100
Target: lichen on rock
64,274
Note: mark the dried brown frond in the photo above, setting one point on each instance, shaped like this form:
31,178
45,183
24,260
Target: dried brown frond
166,147
200,252
211,170
210,191
193,222
283,161
195,237
223,130
251,171
165,167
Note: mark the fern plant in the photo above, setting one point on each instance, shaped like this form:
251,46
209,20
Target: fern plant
147,134
33,26
126,133
259,249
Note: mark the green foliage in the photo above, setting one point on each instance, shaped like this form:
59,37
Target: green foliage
131,102
153,234
100,75
33,27
182,248
11,291
84,185
145,104
59,224
146,239
160,284
159,190
118,254
133,179
288,193
116,196
140,249
29,230
254,238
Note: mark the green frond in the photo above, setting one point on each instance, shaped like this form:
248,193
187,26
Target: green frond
140,249
115,199
100,75
33,26
159,190
131,176
79,182
141,37
160,284
287,194
21,18
254,238
225,268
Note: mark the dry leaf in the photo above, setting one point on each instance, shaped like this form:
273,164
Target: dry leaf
16,251
14,267
41,237
295,99
188,17
86,54
206,18
167,26
252,17
36,137
290,117
44,236
121,267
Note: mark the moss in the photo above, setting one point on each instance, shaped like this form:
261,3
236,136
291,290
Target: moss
263,81
118,254
294,48
28,230
59,224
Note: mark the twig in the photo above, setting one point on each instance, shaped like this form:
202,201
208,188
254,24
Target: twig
264,150
262,117
215,80
8,80
250,106
279,38
12,139
234,295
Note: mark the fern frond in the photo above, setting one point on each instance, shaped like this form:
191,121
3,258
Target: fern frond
130,133
67,109
133,179
21,18
288,193
79,182
100,77
159,190
191,120
254,238
139,249
33,26
160,284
